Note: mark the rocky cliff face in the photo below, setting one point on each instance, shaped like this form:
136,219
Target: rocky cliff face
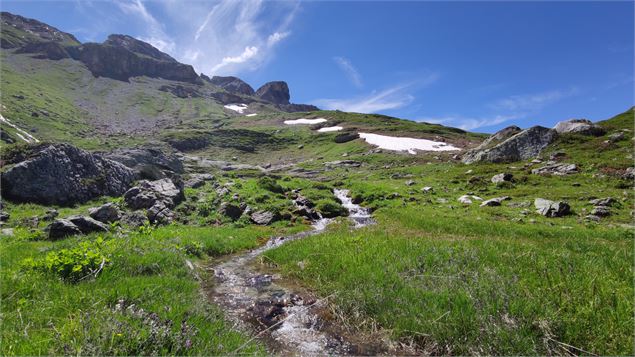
138,47
233,85
275,92
116,62
521,146
62,174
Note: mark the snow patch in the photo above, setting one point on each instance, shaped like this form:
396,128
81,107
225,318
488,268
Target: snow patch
405,144
239,108
330,128
19,132
251,115
305,121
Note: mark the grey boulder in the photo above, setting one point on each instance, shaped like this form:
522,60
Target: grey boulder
147,193
264,217
549,208
62,228
494,201
231,211
503,177
87,225
522,146
106,213
579,126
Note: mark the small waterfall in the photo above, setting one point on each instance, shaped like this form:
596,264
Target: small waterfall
358,214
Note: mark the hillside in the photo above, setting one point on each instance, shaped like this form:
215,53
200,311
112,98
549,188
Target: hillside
150,210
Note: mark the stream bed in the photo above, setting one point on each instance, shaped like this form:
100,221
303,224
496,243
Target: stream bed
287,317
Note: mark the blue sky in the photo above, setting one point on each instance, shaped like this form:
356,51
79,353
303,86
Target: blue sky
476,65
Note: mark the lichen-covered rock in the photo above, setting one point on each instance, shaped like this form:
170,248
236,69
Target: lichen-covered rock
522,146
62,174
159,213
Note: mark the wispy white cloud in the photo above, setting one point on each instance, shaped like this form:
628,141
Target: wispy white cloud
221,37
155,33
391,98
468,123
351,72
533,102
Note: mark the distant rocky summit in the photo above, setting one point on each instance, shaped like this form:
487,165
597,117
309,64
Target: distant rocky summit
24,31
139,47
275,92
233,85
520,146
62,174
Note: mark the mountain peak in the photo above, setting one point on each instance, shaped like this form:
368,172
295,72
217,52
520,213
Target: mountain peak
233,85
137,46
18,31
275,92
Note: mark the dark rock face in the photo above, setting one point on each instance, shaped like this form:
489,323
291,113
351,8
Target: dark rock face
117,62
45,50
181,91
233,85
346,137
147,163
160,213
522,146
138,47
231,211
35,31
551,208
274,92
62,228
64,175
499,137
87,224
106,213
579,126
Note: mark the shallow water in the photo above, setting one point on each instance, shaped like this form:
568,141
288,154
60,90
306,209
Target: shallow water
287,317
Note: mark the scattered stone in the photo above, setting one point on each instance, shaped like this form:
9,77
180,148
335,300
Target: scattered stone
62,228
410,183
629,174
556,169
551,208
503,177
134,219
442,200
601,211
264,217
494,201
592,218
615,137
343,163
427,189
50,215
467,199
4,216
579,126
606,202
87,225
7,232
106,213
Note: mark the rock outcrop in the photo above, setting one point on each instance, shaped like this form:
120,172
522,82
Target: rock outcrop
62,174
30,31
106,213
521,146
274,92
148,193
264,217
233,85
579,126
557,169
138,47
148,163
